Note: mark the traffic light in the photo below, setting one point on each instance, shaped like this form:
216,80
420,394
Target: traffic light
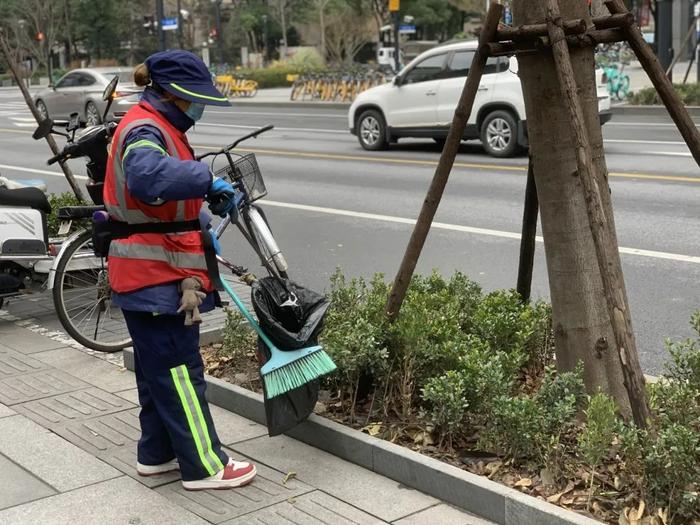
40,36
213,33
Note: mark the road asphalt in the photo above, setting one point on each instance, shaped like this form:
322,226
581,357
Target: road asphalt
332,204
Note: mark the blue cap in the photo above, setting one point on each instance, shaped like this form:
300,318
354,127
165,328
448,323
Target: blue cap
184,75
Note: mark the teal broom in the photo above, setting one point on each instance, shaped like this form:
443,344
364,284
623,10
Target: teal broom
286,369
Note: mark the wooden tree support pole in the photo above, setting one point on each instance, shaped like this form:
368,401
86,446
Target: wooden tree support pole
528,238
444,167
607,252
571,27
588,39
30,104
663,85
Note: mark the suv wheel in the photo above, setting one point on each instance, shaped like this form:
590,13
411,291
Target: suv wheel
371,130
499,134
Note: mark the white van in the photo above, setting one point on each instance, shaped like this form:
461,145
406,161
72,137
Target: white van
422,99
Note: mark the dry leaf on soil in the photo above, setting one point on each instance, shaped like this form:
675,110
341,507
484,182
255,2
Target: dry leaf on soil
290,475
372,429
524,482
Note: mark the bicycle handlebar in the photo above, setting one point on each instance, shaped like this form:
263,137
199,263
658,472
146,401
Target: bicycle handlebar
237,142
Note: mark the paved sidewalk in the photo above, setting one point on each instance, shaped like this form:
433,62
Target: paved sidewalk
68,432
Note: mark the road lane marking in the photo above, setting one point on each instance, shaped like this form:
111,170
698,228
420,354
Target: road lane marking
433,163
670,153
404,220
645,124
234,112
415,162
39,172
657,142
305,130
468,229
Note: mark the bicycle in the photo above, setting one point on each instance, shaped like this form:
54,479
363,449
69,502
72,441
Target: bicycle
613,58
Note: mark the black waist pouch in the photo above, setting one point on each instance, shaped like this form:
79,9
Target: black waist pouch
104,232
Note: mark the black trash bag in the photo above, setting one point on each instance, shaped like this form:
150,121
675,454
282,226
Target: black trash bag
289,328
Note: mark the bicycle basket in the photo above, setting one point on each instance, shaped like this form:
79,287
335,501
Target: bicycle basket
246,171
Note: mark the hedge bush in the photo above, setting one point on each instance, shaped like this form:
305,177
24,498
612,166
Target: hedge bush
689,94
474,371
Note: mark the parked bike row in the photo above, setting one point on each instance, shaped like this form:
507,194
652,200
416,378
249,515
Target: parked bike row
236,86
335,86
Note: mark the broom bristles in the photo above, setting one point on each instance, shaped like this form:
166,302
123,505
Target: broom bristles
298,373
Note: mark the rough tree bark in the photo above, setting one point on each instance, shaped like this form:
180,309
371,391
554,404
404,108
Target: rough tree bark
582,326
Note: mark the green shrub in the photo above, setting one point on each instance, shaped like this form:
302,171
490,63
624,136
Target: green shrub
448,402
238,338
689,94
685,357
672,472
275,76
60,200
530,427
601,424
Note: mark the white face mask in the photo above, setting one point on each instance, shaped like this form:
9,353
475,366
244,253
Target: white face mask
195,111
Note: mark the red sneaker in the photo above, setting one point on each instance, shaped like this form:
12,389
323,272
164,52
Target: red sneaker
235,474
154,470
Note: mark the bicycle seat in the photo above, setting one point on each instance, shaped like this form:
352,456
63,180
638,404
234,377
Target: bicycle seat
25,197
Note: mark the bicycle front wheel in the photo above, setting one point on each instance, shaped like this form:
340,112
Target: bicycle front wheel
83,299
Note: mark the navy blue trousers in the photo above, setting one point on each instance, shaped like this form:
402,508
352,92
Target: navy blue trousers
175,418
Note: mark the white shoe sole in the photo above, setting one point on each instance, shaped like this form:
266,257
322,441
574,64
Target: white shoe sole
155,470
220,484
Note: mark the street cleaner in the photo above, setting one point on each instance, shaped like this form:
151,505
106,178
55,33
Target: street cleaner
164,272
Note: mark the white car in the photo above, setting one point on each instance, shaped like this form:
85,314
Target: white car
421,101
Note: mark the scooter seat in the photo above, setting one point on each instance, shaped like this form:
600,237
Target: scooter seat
25,197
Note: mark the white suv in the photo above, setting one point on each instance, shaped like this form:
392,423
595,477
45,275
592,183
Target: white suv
422,99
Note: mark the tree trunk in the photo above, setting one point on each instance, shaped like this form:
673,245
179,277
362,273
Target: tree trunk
322,27
582,325
283,20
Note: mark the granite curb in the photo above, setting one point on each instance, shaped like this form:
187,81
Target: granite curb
475,494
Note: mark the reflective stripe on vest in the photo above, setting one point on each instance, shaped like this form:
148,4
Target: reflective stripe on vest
151,252
121,212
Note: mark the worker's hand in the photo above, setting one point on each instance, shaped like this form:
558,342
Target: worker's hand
227,205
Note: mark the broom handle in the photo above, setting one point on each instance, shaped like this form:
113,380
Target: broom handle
249,317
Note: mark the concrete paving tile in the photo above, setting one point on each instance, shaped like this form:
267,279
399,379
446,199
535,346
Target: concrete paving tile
230,427
50,457
73,406
19,486
124,460
101,434
46,383
314,508
13,363
118,501
350,483
217,506
25,341
6,411
444,515
90,369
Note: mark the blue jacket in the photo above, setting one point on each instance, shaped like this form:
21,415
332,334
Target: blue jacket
152,176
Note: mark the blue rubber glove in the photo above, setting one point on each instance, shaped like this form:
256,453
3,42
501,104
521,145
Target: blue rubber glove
224,199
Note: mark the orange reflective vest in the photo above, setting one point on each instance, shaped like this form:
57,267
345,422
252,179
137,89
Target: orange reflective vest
150,259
